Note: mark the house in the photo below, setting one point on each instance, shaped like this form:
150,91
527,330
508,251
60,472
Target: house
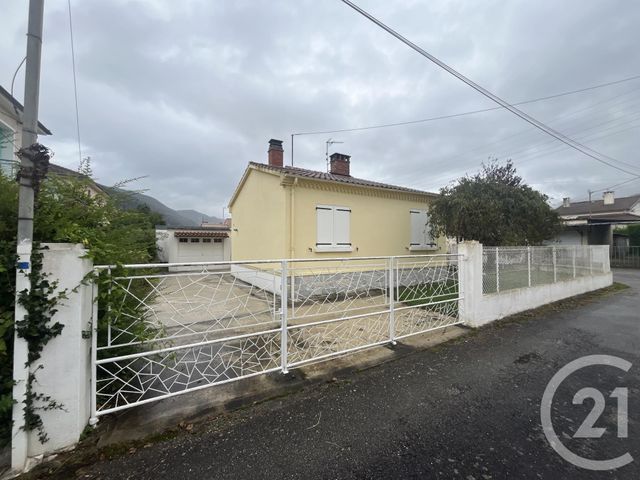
11,132
59,171
592,223
289,212
206,243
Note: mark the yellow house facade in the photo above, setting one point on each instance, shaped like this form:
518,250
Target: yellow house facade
288,212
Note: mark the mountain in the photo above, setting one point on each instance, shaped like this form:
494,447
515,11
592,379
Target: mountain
173,218
198,217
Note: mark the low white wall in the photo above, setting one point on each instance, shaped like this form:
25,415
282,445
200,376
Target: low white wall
499,305
477,309
255,276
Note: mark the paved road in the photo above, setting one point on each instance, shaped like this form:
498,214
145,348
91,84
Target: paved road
468,409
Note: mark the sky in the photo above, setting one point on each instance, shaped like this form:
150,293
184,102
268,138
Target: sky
186,93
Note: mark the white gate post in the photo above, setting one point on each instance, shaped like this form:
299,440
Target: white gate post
529,265
93,419
555,269
497,272
64,371
392,301
470,278
284,296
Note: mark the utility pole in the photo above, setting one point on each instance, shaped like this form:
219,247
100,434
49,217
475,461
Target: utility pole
19,444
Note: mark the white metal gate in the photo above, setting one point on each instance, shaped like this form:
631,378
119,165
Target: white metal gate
159,334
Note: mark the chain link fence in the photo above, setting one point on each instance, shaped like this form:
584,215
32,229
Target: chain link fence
508,268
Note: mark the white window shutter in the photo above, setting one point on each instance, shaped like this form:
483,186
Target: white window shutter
324,225
416,230
428,239
420,229
341,226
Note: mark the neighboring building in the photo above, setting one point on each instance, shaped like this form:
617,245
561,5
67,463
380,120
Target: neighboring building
93,188
620,240
592,223
209,243
11,132
289,212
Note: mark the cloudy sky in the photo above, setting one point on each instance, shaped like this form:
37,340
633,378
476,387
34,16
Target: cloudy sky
187,92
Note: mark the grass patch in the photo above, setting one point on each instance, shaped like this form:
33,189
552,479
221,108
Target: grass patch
425,293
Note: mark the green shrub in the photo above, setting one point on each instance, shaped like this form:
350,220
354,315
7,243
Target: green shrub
66,210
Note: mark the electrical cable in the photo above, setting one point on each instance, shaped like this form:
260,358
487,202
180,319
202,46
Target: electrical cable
524,116
75,83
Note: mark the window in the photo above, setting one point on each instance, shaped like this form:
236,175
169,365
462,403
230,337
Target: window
6,150
420,231
333,229
206,240
217,240
183,240
195,240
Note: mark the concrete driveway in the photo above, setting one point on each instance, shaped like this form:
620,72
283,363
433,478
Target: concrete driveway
469,409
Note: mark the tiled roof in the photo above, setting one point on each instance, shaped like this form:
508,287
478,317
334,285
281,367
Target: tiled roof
621,204
201,233
201,228
63,171
330,177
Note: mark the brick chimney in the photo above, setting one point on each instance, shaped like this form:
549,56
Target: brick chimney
608,198
275,153
566,202
340,164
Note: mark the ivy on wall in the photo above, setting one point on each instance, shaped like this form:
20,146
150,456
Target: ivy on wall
37,329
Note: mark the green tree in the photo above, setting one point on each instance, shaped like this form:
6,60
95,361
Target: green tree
66,210
494,207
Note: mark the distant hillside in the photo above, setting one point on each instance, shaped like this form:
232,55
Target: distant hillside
198,217
173,218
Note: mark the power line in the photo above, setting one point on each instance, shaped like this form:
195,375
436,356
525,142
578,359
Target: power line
616,185
564,117
524,116
471,112
13,81
616,124
75,84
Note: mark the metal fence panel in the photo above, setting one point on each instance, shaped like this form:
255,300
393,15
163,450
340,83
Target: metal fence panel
167,329
508,268
625,257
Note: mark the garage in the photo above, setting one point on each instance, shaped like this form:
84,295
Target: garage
209,243
200,249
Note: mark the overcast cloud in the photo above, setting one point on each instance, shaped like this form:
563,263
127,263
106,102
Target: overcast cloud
188,92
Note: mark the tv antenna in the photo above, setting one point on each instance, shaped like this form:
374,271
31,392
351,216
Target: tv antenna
331,141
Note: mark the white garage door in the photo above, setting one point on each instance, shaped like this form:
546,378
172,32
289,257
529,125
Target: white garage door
200,250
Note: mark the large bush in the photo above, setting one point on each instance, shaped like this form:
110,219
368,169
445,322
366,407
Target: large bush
66,210
494,207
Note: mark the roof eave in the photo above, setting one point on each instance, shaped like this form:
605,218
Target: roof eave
355,185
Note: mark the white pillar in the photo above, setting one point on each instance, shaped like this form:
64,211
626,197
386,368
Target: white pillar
65,375
470,276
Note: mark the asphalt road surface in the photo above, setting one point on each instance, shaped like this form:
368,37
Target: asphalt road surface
468,409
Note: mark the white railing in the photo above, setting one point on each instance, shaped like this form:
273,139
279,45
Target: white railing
508,268
163,333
